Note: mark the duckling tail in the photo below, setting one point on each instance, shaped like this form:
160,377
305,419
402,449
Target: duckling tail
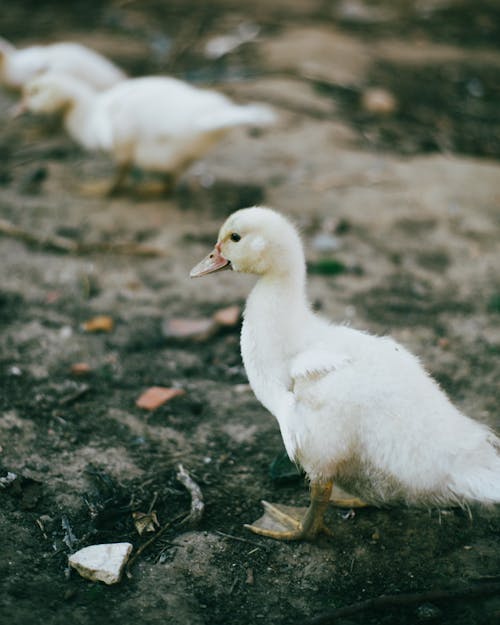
228,117
478,478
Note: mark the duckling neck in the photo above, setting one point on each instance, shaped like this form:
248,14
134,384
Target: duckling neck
276,314
78,115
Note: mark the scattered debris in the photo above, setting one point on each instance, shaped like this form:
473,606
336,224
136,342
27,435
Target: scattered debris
239,539
145,522
26,489
69,539
228,317
152,540
52,297
224,44
71,397
348,515
197,503
250,577
156,396
324,242
191,329
379,101
386,602
102,563
242,388
80,368
6,480
101,323
68,246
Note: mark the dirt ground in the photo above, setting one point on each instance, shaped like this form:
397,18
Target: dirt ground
400,213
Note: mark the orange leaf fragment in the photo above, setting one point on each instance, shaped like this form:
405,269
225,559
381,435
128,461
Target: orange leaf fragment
80,368
156,396
195,329
101,323
228,316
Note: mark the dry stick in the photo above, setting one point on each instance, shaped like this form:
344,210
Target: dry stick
152,540
197,503
193,518
404,600
67,246
243,540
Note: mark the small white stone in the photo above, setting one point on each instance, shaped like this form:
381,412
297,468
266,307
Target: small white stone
102,563
379,101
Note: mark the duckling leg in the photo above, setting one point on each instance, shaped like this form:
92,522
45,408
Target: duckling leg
291,523
340,498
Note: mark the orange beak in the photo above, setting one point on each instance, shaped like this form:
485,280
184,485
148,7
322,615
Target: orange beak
213,262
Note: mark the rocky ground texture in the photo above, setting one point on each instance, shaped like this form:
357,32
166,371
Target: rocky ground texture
386,154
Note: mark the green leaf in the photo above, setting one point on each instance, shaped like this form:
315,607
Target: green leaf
326,267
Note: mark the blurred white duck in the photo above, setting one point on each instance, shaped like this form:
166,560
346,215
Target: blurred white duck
353,409
18,67
160,124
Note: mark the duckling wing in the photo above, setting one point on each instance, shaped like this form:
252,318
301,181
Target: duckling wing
314,363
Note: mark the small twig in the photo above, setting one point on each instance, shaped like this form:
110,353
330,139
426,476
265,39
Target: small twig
197,503
71,397
152,504
69,539
152,540
242,540
404,600
68,246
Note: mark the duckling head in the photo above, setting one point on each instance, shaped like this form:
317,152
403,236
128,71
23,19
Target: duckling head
50,93
255,240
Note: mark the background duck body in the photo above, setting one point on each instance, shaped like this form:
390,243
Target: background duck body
353,408
19,66
157,123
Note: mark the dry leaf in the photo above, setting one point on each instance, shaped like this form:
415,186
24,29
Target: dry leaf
145,522
229,316
156,396
101,323
80,368
195,329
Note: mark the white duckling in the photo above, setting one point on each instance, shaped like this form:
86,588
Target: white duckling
159,124
18,67
353,409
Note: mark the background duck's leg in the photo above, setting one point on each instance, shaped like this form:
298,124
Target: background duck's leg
120,177
342,499
170,179
292,523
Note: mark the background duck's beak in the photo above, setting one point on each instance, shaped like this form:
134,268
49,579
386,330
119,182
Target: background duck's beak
213,262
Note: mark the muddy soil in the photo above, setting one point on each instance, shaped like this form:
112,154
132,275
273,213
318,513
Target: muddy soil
408,203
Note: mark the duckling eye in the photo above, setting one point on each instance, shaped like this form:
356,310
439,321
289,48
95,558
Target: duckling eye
235,237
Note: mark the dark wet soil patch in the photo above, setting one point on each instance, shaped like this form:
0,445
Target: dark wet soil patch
440,108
